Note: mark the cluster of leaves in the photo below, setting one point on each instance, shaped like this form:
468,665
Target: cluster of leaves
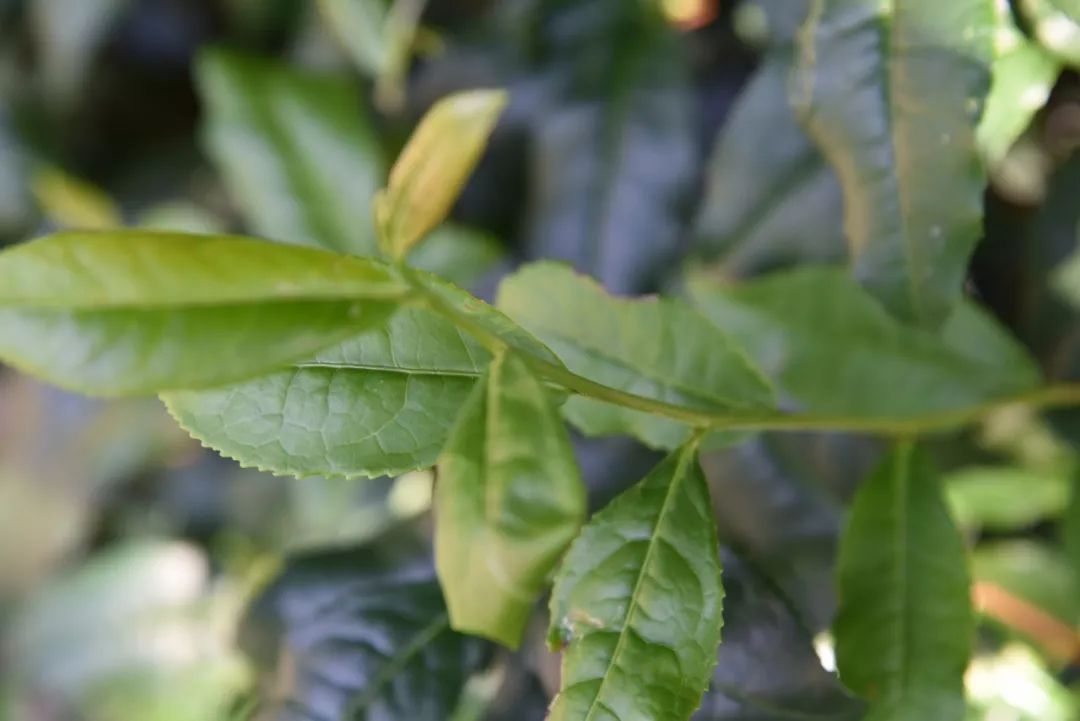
329,347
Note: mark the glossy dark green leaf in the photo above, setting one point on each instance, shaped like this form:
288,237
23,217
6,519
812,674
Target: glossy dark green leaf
892,94
905,627
131,312
1023,75
378,404
832,348
508,502
657,348
767,669
1056,24
638,602
295,149
615,158
360,634
432,169
1003,498
770,198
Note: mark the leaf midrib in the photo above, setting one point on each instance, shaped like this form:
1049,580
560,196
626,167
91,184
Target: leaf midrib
402,370
707,402
677,479
424,636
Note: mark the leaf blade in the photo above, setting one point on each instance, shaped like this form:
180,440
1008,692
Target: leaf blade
831,348
508,502
902,138
366,633
410,377
630,345
614,597
905,627
295,150
432,169
131,312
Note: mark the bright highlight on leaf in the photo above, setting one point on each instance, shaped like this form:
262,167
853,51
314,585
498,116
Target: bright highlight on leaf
133,312
432,169
638,602
508,502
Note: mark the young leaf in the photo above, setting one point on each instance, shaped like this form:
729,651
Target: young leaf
430,173
508,502
378,404
360,634
1056,24
832,348
657,348
599,198
770,197
295,150
1024,74
905,627
130,312
901,133
638,602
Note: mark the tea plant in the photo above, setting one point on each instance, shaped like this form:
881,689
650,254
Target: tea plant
311,356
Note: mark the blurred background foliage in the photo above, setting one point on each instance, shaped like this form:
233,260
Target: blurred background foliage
142,577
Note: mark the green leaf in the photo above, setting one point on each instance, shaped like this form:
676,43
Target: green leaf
616,157
378,404
432,169
901,134
508,502
638,602
295,150
457,253
832,348
481,319
904,629
1023,75
770,197
360,634
656,348
1035,572
1005,498
132,312
1056,24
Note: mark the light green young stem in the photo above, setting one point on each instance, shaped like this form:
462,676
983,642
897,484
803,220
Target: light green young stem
1054,396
